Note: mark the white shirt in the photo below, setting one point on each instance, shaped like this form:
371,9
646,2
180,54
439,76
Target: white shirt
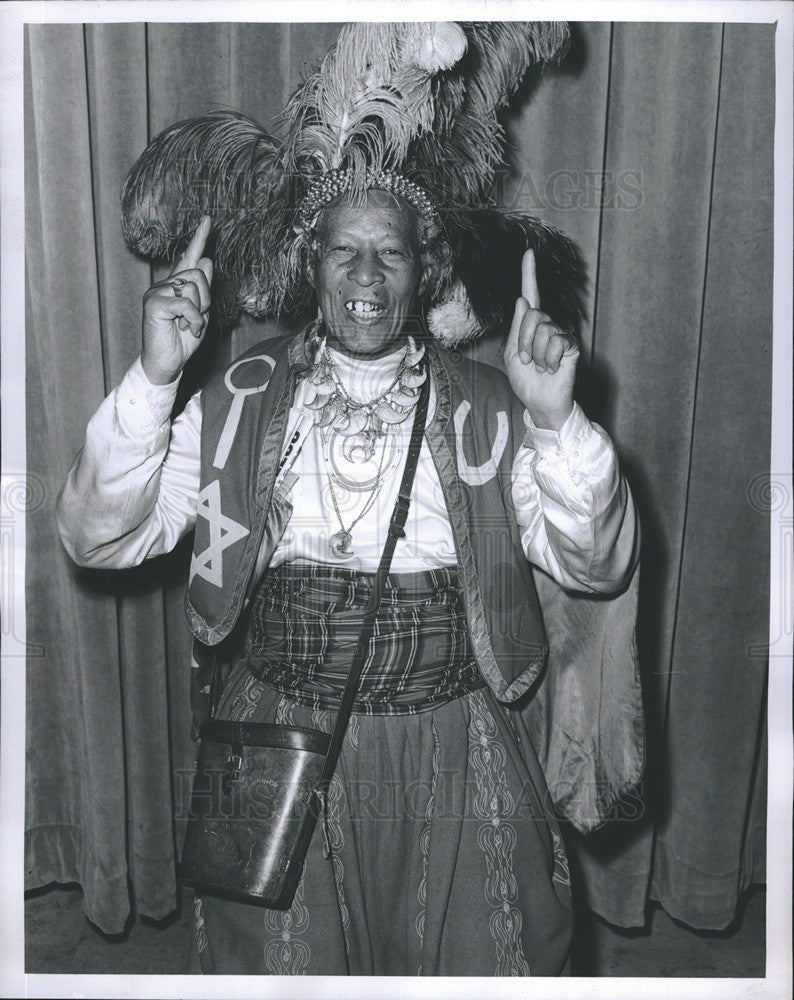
132,491
369,488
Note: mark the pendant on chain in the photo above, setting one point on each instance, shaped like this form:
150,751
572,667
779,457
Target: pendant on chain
339,543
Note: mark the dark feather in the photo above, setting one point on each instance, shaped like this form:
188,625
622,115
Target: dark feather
222,164
489,246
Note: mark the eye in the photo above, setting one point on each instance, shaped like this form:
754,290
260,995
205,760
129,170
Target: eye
340,252
394,253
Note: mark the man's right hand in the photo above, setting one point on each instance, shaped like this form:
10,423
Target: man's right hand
174,324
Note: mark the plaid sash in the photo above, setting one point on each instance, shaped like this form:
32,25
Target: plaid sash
305,622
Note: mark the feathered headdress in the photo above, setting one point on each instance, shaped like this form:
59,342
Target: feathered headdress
409,107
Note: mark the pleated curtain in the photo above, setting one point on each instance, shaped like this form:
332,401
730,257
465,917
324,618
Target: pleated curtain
651,146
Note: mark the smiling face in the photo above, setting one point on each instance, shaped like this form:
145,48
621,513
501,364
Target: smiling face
366,273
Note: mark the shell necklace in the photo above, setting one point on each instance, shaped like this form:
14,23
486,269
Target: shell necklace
363,424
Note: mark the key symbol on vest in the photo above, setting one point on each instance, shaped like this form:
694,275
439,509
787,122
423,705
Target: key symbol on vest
239,396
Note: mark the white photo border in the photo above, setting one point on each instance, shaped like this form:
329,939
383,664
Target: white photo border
13,980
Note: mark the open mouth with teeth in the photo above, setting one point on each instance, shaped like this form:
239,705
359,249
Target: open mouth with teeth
366,310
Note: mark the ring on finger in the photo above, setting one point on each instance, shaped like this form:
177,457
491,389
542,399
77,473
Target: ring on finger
178,284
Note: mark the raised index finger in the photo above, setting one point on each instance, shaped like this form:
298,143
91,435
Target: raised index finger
529,280
195,248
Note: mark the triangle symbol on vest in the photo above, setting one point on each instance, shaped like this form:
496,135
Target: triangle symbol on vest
223,531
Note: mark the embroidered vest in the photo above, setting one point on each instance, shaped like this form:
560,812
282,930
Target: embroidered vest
244,421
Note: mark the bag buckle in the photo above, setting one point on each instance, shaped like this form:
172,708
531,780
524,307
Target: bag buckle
400,515
231,770
322,801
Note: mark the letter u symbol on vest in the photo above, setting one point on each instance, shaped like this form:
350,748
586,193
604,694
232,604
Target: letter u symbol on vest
477,475
236,409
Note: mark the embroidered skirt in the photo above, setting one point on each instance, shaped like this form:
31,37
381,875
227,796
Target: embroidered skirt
443,860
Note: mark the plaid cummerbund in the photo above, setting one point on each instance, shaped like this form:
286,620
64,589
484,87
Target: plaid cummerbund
305,622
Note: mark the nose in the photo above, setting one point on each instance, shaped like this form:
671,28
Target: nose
366,269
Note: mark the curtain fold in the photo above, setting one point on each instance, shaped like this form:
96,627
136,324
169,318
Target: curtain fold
716,683
652,147
661,115
76,812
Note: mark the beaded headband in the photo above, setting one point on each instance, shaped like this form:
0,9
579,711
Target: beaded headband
334,183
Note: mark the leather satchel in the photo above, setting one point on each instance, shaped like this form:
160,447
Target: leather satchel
260,787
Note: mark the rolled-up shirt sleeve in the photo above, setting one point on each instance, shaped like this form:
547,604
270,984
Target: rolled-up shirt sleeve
574,508
132,491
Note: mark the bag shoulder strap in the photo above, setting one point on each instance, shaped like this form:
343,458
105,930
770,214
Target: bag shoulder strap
396,530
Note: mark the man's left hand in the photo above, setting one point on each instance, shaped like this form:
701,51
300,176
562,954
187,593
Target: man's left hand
540,358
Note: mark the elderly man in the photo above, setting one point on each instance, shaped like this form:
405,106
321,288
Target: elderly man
439,853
